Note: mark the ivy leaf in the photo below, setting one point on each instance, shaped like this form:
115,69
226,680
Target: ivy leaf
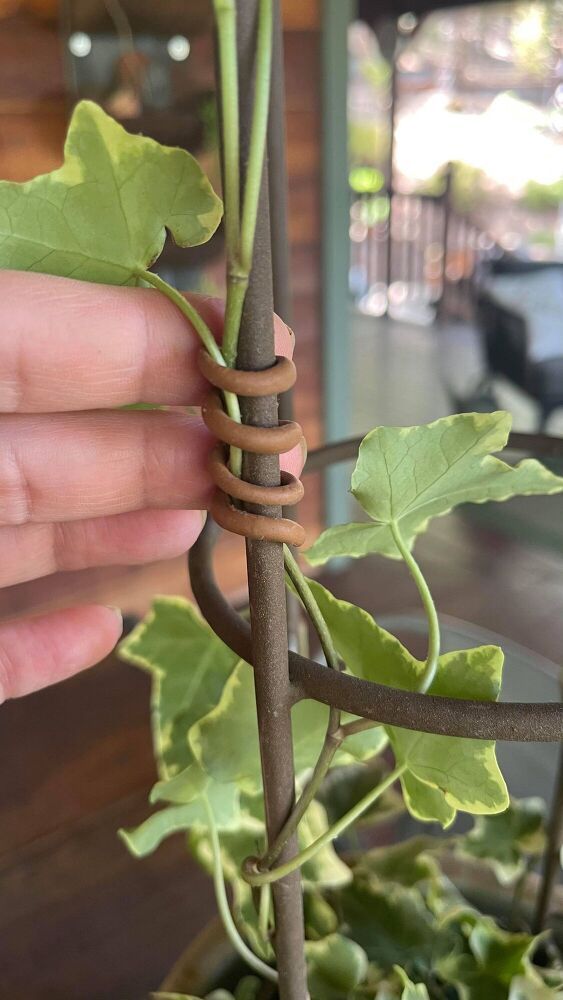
178,996
336,966
493,958
224,801
232,723
405,863
444,773
247,837
531,987
189,665
507,840
320,918
393,925
409,475
411,991
499,952
103,215
325,869
427,804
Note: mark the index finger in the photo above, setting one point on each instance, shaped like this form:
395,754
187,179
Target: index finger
74,345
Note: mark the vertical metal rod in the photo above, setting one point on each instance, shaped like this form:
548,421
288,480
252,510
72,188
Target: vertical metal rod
265,559
553,847
281,271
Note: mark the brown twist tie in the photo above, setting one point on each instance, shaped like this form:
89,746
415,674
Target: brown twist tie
269,382
260,440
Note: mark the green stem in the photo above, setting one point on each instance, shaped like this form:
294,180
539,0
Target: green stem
330,745
357,726
189,311
258,133
239,259
226,21
415,571
254,876
223,905
301,584
237,284
264,914
208,340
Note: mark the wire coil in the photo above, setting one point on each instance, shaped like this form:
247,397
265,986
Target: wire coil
259,440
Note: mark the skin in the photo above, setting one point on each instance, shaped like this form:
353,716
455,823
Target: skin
82,484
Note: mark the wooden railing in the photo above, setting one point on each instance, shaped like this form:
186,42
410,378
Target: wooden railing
413,256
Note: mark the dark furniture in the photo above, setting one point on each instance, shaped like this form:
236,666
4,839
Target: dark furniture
506,341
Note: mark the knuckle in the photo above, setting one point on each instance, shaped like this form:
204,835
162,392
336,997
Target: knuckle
16,503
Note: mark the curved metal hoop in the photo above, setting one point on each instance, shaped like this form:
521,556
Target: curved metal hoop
541,722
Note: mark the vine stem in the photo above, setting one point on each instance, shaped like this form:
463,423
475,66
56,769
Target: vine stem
225,19
240,240
416,573
254,876
223,905
208,340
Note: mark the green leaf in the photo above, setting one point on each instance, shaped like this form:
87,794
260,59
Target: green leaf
103,215
425,803
336,966
443,773
233,724
189,665
224,801
320,918
249,988
179,996
405,863
325,869
411,991
393,925
507,840
500,953
493,959
409,475
531,987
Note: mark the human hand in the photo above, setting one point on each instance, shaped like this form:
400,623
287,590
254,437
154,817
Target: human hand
81,483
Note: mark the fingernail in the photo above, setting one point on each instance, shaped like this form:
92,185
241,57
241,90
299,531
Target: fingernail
117,612
203,515
303,447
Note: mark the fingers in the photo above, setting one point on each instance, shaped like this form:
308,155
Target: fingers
39,651
34,550
89,465
74,345
74,466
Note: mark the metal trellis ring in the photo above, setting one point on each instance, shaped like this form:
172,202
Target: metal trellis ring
422,712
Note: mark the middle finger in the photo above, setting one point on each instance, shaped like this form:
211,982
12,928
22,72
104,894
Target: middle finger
71,466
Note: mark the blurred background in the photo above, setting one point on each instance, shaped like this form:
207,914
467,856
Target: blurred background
425,155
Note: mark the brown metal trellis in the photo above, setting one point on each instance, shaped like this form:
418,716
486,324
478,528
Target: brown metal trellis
283,678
